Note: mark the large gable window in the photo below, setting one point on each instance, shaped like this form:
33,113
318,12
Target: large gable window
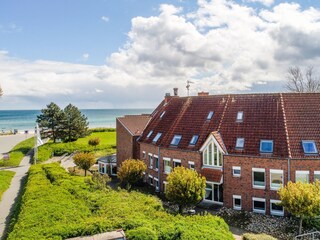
309,147
212,156
156,138
176,140
266,146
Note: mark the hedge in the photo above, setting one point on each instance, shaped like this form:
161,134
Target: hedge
58,206
251,236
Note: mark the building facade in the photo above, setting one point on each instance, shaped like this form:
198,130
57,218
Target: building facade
246,145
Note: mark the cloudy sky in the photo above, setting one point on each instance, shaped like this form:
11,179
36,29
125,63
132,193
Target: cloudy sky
129,53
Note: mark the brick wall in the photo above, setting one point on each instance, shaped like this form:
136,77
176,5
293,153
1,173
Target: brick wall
184,156
304,165
125,144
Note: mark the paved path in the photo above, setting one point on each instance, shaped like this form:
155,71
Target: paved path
9,141
9,196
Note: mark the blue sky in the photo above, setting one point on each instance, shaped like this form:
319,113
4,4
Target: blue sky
128,53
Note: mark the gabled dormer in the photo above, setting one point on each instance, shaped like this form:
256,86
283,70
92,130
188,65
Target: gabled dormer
213,150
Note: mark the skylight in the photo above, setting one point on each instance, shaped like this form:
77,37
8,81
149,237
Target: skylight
194,140
156,138
240,116
210,115
176,139
240,143
266,146
162,114
309,147
149,134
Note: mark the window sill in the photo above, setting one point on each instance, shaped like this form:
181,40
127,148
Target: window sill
236,176
259,187
166,173
156,169
212,167
259,211
276,213
274,188
237,208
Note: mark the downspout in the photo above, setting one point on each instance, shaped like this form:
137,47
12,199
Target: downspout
289,166
159,170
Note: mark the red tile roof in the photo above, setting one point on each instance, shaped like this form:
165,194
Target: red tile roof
135,124
212,175
286,118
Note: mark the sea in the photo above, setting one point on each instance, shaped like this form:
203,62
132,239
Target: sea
25,120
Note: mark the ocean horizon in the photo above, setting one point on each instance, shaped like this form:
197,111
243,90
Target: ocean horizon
23,120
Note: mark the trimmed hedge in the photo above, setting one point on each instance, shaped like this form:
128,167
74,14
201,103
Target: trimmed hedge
251,236
57,206
18,152
106,146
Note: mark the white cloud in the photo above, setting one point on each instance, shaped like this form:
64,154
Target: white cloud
85,56
105,19
222,47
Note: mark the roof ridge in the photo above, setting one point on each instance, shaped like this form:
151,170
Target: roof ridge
285,125
223,113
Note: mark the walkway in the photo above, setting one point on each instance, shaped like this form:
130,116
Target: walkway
9,197
7,142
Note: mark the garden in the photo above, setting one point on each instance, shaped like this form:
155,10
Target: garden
56,205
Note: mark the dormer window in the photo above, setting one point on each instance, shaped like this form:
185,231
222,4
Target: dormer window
149,134
309,147
240,143
176,139
266,146
210,114
156,138
240,116
194,140
162,114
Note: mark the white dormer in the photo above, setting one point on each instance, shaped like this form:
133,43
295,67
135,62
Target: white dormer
212,151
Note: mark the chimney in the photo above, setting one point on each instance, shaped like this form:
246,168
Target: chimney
167,97
175,91
203,93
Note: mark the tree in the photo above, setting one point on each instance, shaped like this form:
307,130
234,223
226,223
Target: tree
300,82
50,121
84,161
185,187
1,91
301,200
131,172
94,142
74,124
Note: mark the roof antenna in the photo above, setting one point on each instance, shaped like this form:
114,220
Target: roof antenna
188,86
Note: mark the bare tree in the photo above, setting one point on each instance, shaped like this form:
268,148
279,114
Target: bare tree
300,82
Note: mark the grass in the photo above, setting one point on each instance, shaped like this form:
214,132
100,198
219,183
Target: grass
18,152
57,205
5,180
106,146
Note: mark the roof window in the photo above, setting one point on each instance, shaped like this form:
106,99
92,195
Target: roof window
194,140
156,138
240,116
240,143
309,147
149,134
266,146
176,139
210,115
162,114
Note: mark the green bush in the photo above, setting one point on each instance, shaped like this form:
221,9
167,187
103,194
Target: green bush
251,236
58,206
18,152
142,233
93,130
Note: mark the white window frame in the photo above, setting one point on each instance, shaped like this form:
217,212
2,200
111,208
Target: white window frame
236,168
233,201
206,151
278,171
156,183
267,141
303,172
191,163
164,185
316,173
143,155
150,176
276,212
150,162
176,137
165,159
237,143
239,116
154,162
176,161
259,200
315,146
258,170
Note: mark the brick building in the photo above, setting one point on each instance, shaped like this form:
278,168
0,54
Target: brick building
246,145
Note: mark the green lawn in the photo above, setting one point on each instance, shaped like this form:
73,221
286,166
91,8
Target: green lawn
5,180
18,152
106,146
56,205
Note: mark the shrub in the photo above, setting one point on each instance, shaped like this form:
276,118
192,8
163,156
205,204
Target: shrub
251,236
131,172
84,161
94,142
142,233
